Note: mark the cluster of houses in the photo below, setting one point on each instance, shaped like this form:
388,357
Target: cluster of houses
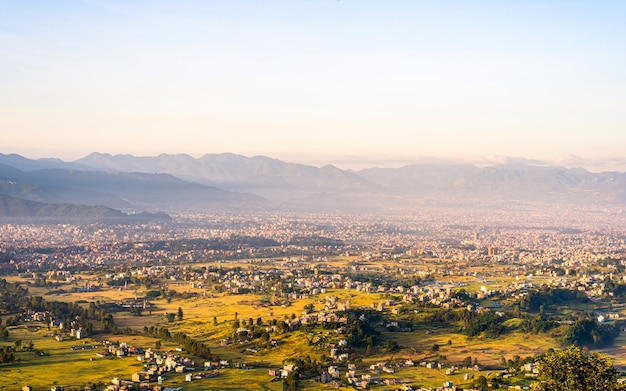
363,378
75,329
156,366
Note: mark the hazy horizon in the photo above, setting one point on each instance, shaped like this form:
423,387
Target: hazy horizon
353,84
358,163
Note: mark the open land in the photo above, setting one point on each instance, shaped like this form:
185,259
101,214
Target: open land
359,303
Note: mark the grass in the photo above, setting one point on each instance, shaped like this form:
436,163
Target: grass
228,379
65,366
489,351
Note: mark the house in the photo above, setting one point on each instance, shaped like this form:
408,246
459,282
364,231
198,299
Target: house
333,371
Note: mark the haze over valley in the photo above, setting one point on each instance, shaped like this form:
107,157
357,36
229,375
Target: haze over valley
223,182
310,195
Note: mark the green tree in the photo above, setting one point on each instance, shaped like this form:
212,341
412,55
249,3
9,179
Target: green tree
574,370
391,346
467,361
179,314
481,383
291,382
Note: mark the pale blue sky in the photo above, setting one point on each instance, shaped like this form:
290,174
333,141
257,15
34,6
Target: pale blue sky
314,81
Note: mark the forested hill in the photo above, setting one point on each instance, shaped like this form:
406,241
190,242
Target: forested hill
17,208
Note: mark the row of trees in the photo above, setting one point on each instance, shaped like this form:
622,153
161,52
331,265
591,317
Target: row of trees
16,299
7,355
550,298
588,332
191,345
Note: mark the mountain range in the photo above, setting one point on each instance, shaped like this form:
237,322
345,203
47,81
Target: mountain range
234,182
235,172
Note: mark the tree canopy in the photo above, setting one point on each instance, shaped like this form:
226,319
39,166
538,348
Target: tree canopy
574,370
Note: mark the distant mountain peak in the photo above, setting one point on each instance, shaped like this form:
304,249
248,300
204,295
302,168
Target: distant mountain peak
180,180
239,173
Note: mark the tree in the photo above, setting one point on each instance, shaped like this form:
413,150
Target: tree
574,370
587,332
291,382
467,361
481,383
179,314
391,346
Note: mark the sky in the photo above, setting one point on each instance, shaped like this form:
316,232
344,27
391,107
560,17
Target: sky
348,82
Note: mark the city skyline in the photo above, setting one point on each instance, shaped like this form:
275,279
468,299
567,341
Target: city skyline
339,82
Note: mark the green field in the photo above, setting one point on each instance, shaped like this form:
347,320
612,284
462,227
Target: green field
63,366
